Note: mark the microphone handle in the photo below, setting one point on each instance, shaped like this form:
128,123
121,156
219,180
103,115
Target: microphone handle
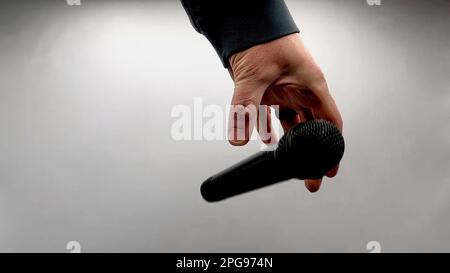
258,171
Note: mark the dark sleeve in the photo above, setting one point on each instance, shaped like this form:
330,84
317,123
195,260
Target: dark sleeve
234,25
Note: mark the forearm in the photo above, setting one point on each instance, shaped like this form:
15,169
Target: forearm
234,25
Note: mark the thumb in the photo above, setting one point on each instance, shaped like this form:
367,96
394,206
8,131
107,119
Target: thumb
244,111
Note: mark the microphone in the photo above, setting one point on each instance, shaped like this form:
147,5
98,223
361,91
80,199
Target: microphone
307,151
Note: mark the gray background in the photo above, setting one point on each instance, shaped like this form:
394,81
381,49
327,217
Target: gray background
86,152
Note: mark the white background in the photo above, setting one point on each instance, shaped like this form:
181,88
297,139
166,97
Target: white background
86,153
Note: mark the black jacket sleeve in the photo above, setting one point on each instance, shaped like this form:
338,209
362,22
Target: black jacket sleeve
234,25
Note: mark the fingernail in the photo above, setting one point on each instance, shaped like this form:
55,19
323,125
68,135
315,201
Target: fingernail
312,186
237,137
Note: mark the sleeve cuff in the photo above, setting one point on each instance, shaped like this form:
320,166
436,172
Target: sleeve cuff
235,25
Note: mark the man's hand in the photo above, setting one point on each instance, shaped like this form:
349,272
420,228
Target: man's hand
283,73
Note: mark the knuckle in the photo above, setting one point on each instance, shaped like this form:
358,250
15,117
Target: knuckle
318,78
254,66
243,103
337,120
250,73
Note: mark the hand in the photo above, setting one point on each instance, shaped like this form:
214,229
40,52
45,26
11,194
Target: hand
282,73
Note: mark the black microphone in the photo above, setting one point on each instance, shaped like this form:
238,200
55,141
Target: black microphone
307,151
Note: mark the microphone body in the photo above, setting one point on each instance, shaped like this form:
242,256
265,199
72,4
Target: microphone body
250,174
307,151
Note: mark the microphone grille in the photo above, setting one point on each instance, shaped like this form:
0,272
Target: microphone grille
311,149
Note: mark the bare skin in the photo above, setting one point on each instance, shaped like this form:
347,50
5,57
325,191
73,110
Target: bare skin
283,73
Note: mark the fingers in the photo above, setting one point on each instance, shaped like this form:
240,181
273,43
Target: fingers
288,118
244,112
329,111
264,125
333,172
305,114
326,109
313,185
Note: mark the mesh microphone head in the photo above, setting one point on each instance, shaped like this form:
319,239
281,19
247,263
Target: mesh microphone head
311,149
